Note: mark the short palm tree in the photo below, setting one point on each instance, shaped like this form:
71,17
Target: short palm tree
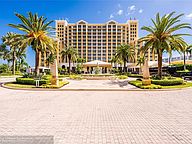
186,49
50,59
140,62
163,37
125,53
36,34
71,55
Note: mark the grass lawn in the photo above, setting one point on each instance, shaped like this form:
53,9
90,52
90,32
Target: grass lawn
15,85
153,86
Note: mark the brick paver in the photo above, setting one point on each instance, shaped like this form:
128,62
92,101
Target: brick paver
99,117
99,84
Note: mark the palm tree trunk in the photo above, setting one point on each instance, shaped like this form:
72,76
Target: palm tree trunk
184,61
13,71
69,66
124,66
37,62
160,65
169,59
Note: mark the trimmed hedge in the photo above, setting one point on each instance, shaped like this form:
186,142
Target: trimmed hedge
139,85
168,82
122,77
61,84
30,81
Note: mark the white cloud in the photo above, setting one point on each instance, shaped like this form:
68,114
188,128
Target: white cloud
141,11
189,16
120,12
132,8
111,16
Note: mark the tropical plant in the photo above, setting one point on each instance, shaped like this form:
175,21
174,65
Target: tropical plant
186,49
15,45
125,53
36,34
80,62
71,55
50,59
5,53
163,37
140,62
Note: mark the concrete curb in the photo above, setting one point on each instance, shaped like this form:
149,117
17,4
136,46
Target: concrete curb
82,89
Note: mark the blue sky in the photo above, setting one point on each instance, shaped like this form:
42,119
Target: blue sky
92,11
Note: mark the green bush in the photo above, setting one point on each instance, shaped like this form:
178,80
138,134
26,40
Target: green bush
122,77
76,77
168,81
30,81
139,85
61,84
46,77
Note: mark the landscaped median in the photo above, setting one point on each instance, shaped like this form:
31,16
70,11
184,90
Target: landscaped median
164,83
31,83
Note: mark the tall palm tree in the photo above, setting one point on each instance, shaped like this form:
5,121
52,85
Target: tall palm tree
36,34
13,42
162,34
71,55
4,52
125,53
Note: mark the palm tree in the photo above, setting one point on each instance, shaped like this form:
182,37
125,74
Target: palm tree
162,34
13,42
140,62
71,54
50,59
186,49
36,31
3,52
125,53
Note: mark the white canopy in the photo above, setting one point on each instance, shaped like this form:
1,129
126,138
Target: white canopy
97,63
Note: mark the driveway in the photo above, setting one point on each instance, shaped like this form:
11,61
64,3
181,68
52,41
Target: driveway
89,117
99,84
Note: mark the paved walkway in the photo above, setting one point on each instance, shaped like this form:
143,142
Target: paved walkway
99,84
99,117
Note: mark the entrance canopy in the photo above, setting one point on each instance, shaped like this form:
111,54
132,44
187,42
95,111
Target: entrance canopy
96,63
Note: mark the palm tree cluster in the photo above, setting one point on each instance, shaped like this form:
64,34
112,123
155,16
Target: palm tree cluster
69,53
124,54
164,35
35,34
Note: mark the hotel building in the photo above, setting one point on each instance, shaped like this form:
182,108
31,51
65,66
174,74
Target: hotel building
97,41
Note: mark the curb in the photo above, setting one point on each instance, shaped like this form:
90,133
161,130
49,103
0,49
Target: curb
82,89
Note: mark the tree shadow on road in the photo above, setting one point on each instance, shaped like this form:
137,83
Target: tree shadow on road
120,83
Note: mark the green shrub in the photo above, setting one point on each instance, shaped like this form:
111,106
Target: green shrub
122,77
30,81
168,81
76,77
46,77
139,85
135,75
61,84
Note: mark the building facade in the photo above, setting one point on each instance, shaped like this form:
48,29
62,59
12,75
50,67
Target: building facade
97,41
